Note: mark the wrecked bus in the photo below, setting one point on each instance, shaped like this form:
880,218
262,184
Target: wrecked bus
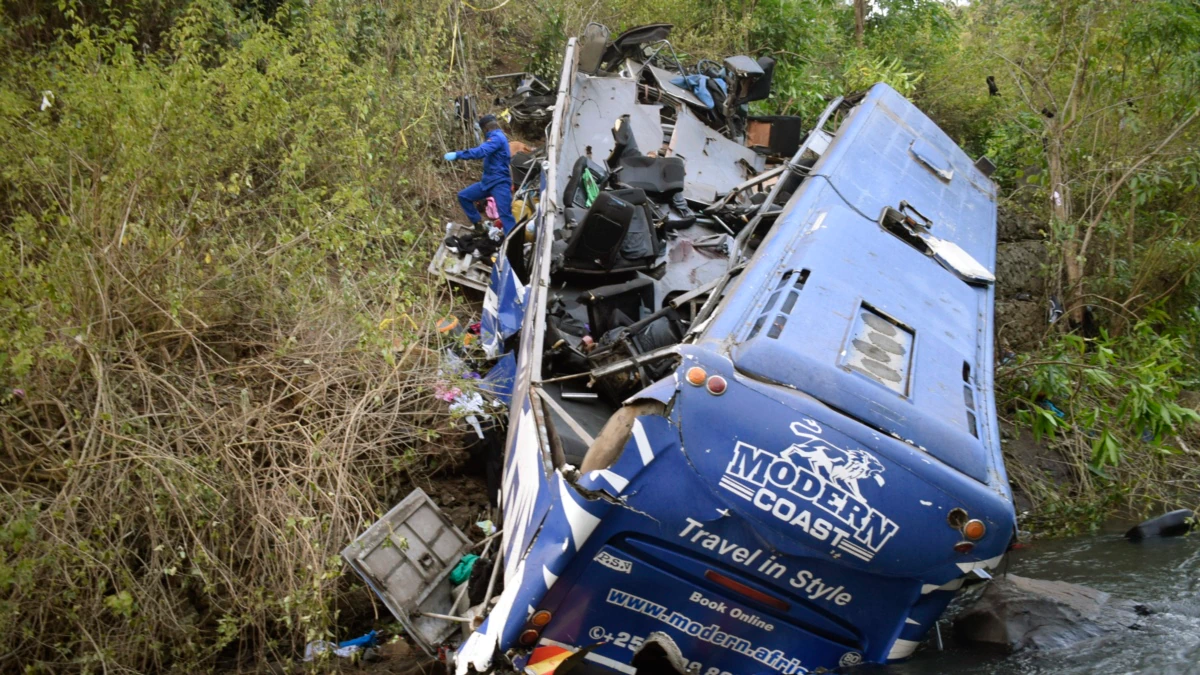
752,427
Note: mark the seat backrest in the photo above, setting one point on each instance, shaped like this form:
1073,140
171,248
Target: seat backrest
574,194
641,242
659,176
591,51
608,303
597,239
760,89
625,145
628,44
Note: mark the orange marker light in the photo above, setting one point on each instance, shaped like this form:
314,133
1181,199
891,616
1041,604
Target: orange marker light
540,618
696,376
974,530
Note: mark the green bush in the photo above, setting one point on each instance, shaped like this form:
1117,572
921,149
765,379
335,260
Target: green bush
202,397
1109,407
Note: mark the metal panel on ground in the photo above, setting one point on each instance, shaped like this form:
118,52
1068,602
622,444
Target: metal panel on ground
406,558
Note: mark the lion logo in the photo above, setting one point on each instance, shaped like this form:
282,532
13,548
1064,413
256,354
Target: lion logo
842,468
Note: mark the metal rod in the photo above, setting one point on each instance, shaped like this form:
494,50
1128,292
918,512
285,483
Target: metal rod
486,540
792,165
561,378
722,224
693,294
445,617
487,597
575,426
636,360
745,185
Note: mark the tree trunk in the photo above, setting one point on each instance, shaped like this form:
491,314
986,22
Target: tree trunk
1060,209
860,17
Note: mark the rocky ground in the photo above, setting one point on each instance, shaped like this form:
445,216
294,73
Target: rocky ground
1022,301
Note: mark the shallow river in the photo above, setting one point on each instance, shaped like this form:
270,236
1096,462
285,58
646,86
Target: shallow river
1162,573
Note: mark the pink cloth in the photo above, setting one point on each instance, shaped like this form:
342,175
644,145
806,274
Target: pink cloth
448,395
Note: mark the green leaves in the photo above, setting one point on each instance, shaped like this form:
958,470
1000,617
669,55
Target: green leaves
862,70
1120,394
121,604
1106,450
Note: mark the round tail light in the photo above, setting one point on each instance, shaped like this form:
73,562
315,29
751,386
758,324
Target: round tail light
974,530
696,376
717,385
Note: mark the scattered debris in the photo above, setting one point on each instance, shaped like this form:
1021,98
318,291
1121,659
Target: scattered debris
347,649
407,559
1049,405
530,103
462,571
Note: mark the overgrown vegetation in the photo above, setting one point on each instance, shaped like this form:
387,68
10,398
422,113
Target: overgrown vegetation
213,217
210,355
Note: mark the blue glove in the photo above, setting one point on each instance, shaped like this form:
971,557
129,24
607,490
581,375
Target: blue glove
451,156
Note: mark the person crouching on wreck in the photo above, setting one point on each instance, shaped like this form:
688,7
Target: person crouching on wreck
497,179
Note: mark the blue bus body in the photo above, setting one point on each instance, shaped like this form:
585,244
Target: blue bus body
810,514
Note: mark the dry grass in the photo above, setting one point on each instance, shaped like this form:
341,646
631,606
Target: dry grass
171,505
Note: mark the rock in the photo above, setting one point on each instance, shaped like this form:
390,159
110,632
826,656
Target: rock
1173,524
1019,613
1019,269
1016,221
1020,326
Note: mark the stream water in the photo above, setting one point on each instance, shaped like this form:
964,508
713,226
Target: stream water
1162,573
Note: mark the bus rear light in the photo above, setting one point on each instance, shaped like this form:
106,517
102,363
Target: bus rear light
540,619
742,589
529,637
964,547
974,530
696,376
717,385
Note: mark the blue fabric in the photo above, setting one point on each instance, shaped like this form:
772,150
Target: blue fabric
369,640
477,192
495,155
698,84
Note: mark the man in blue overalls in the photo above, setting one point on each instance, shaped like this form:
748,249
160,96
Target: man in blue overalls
497,180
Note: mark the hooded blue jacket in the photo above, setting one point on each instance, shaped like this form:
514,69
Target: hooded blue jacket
495,155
